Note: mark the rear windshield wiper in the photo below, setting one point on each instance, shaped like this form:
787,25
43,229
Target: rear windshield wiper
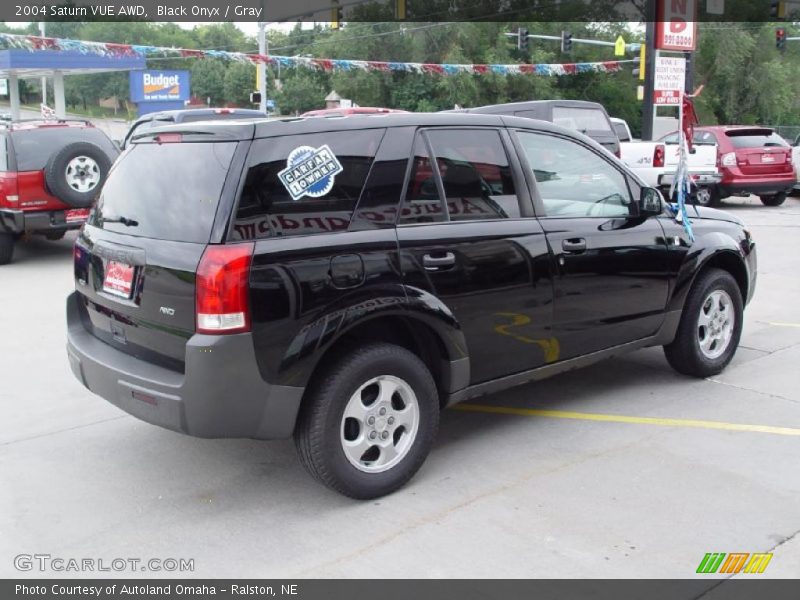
125,221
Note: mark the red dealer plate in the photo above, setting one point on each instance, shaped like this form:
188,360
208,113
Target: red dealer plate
76,214
118,279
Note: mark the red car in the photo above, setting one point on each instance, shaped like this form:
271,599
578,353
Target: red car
751,160
356,110
50,173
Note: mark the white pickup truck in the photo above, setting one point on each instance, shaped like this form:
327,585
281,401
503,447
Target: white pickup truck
656,162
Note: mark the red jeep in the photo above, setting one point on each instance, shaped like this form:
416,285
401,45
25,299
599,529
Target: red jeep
50,173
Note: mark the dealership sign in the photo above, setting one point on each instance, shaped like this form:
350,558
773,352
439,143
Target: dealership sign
159,86
676,28
670,80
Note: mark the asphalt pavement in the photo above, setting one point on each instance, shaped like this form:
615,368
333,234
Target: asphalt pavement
623,469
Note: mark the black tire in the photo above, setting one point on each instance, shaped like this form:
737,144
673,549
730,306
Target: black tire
54,236
321,426
6,248
774,200
684,353
56,173
795,191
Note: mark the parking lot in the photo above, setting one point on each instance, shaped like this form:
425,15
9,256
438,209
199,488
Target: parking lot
622,469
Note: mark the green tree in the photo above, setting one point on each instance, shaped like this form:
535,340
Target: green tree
208,80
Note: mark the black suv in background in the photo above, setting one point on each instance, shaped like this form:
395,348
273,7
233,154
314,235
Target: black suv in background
342,280
187,115
588,118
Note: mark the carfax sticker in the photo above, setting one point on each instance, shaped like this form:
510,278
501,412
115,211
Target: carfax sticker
310,171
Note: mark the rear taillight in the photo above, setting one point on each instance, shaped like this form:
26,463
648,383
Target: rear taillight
223,111
658,155
728,160
222,304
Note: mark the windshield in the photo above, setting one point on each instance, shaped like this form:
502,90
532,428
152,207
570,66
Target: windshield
165,191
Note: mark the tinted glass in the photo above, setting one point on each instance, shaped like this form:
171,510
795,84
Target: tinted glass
574,181
165,191
302,201
475,174
756,139
34,147
581,119
423,204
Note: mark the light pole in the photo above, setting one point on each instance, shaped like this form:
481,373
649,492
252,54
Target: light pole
44,77
263,49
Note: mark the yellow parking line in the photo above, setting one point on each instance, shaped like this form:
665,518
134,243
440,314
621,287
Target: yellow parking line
565,414
785,324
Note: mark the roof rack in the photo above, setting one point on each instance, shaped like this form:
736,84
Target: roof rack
8,123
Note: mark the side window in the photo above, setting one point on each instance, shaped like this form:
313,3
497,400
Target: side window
670,139
704,137
299,185
423,203
475,175
3,154
573,181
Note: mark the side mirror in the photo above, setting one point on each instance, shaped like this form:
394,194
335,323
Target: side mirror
650,202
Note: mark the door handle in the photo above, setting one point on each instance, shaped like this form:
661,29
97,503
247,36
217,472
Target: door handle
433,263
574,245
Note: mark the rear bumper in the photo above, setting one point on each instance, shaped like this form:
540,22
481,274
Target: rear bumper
220,395
703,179
759,188
20,221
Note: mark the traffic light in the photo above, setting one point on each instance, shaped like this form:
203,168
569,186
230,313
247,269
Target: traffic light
566,41
780,39
336,15
777,10
522,39
255,97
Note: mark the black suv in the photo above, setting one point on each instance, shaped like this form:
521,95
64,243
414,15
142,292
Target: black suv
342,280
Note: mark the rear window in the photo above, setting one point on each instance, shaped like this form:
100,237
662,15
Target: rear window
756,138
580,119
165,191
299,185
622,132
34,147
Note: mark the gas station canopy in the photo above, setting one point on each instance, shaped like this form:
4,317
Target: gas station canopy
16,64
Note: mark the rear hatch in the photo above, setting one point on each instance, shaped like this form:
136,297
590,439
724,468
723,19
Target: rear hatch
760,151
137,257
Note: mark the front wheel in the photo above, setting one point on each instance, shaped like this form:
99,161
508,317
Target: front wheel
774,200
710,326
369,421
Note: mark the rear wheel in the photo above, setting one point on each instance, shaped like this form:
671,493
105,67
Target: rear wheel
369,422
6,248
54,236
705,196
710,326
774,200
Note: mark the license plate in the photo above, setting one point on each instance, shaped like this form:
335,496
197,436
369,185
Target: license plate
118,279
767,158
75,215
